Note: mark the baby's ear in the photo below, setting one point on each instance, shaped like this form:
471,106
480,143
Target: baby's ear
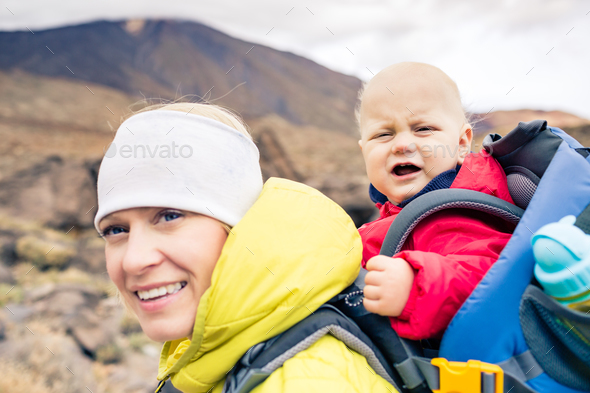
465,139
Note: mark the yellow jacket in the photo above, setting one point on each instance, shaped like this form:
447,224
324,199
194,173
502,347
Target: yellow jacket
293,251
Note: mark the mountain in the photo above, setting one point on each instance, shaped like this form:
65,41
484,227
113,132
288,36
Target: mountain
164,58
502,122
498,120
63,93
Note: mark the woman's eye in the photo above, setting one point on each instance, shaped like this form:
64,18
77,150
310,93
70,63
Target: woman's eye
112,230
171,215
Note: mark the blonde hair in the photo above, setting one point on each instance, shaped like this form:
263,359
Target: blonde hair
357,107
215,112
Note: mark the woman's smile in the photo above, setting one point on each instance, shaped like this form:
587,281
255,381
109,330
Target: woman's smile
160,291
159,301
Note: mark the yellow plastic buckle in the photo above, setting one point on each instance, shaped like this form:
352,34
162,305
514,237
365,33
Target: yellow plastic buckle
461,377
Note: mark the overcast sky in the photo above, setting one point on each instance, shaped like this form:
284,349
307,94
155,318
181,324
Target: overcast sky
502,54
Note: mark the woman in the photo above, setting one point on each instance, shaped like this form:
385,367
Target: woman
213,262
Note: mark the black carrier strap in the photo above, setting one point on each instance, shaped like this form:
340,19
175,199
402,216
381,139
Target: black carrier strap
434,201
264,358
398,351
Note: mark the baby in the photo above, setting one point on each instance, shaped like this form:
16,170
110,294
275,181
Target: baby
415,138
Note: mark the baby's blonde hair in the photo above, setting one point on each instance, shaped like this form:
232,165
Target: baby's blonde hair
467,117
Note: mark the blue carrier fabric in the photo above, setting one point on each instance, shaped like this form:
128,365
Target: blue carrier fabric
488,325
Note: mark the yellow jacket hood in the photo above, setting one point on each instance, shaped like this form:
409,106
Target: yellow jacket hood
292,251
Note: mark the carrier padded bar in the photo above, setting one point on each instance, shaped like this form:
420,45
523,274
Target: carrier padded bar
530,145
434,201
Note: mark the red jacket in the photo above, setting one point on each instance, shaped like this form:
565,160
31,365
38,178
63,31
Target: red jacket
450,251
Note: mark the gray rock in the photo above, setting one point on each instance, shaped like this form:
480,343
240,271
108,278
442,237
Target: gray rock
151,351
18,312
62,303
2,329
90,254
91,332
8,247
6,275
39,292
49,290
56,192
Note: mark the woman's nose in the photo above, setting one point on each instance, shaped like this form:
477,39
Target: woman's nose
142,252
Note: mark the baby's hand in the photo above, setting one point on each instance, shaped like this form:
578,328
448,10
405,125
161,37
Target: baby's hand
387,285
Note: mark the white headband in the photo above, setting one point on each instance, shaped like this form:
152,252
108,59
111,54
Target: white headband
166,158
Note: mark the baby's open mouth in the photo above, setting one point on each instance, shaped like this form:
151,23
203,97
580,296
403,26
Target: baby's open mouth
161,292
405,169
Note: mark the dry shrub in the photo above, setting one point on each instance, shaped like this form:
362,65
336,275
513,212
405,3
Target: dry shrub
110,353
43,253
130,324
10,294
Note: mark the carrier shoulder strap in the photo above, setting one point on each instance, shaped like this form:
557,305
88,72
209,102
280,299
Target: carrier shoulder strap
261,360
423,206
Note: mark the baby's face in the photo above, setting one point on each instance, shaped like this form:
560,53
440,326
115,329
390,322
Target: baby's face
412,130
162,260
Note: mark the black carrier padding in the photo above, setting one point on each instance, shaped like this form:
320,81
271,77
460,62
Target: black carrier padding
321,318
583,220
558,338
423,206
378,328
524,153
530,145
259,362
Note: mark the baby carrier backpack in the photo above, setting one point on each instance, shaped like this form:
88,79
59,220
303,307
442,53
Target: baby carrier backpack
508,336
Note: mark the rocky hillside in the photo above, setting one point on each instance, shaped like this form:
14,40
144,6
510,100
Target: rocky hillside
502,122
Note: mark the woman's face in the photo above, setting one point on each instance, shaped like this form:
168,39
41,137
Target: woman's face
161,260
